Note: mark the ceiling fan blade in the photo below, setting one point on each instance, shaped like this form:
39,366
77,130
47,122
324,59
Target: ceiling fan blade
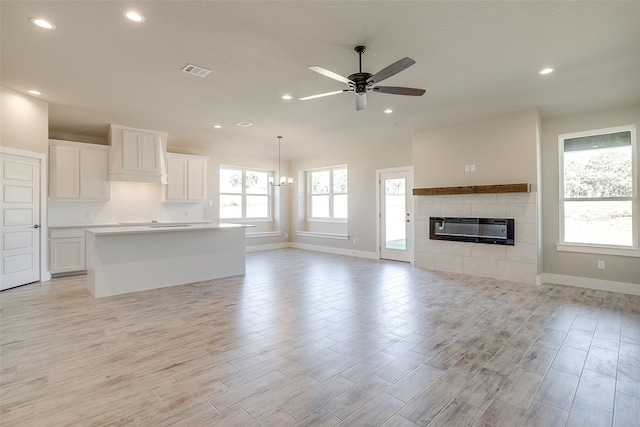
320,95
361,101
330,74
394,90
391,70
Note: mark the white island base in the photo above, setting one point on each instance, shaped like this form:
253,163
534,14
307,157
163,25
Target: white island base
131,259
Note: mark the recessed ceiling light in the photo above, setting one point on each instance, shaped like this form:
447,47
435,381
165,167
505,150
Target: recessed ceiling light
34,92
287,97
134,16
217,126
547,70
388,111
43,23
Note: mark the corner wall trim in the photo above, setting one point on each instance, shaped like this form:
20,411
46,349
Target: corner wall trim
322,235
598,284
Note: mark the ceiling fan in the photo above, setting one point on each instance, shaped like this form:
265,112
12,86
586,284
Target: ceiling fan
360,83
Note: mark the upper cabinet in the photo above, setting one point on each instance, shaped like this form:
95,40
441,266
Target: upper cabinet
137,155
187,178
78,171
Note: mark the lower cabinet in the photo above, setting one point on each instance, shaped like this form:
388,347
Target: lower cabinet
67,251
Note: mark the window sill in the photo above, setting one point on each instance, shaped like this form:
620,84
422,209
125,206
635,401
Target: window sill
257,234
245,220
602,250
331,220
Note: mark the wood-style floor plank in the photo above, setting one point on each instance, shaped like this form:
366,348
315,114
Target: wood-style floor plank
313,339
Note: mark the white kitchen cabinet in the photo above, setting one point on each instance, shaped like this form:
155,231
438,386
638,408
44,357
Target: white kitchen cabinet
78,171
67,251
187,178
137,155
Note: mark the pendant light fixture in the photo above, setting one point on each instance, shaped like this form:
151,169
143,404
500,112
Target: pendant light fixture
284,181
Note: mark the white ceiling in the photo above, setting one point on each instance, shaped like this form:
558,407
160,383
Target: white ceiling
474,59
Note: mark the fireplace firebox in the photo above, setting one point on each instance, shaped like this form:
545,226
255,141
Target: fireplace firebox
497,231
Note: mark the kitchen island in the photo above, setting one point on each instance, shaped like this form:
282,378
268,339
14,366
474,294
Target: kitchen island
139,258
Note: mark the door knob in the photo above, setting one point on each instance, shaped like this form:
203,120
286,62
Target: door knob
36,226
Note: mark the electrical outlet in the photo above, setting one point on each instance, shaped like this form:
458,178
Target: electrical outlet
467,168
600,265
354,241
186,213
89,214
473,168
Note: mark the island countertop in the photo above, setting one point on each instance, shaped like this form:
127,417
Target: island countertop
163,228
123,224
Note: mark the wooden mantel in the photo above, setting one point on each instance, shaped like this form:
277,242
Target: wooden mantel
473,189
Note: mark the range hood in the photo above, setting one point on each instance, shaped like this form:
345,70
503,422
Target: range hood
137,155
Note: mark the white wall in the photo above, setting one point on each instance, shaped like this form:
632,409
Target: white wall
568,265
361,225
503,149
24,122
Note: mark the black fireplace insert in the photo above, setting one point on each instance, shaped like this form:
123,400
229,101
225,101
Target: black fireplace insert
497,231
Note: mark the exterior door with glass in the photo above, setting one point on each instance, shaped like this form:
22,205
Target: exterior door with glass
396,215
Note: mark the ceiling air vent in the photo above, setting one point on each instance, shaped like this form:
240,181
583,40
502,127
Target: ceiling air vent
244,124
195,70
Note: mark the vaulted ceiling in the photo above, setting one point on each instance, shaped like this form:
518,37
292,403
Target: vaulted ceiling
473,58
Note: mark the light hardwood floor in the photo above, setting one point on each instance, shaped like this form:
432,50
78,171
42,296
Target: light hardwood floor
312,339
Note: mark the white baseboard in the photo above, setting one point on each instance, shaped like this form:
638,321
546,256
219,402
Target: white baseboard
337,251
586,282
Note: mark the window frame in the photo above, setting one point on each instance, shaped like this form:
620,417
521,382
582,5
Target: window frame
331,194
599,248
243,194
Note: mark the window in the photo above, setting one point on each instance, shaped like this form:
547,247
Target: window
598,198
244,194
327,189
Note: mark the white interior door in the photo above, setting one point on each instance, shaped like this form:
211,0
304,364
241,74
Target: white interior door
396,211
19,220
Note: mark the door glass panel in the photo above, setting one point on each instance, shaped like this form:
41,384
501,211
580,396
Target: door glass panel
395,214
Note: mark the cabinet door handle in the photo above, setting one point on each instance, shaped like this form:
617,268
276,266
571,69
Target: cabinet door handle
36,226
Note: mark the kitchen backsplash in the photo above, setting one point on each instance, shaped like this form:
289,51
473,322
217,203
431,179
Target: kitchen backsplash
129,202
